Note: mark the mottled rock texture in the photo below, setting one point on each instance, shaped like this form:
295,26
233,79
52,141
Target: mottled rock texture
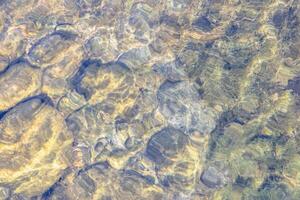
149,99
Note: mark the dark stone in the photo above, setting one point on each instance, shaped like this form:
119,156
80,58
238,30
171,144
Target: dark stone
228,66
231,30
2,114
207,45
203,24
279,18
48,193
270,182
149,179
154,154
165,144
242,181
294,85
292,18
165,182
199,81
290,34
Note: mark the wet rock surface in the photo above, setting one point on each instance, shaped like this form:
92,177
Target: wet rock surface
151,99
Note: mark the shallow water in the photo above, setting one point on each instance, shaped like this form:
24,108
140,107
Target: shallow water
149,100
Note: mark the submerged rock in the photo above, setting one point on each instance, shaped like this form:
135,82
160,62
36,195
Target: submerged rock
18,82
37,134
165,144
50,47
212,178
149,100
181,105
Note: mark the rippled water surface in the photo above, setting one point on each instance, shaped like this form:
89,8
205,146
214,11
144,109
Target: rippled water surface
149,100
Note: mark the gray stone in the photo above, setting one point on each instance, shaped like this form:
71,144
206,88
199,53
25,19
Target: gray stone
135,58
171,71
212,178
181,105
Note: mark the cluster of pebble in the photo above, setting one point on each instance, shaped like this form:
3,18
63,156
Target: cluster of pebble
149,99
